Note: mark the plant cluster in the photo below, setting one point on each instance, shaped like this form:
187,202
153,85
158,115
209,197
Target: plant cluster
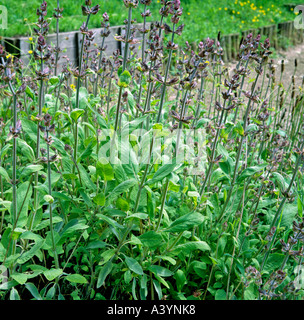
232,17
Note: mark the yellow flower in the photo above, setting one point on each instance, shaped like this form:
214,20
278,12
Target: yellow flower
220,8
243,21
30,38
207,62
72,86
226,9
30,52
10,56
188,13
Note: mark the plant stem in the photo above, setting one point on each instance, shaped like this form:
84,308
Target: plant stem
50,204
124,64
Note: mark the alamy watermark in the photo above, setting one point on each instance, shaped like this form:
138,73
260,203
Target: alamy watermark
3,17
299,20
159,146
3,277
299,279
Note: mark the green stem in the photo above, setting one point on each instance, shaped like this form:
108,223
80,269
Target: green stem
50,204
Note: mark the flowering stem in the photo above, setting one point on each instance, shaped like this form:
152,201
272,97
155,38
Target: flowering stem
50,204
80,64
99,65
142,57
126,49
57,38
278,213
163,92
238,154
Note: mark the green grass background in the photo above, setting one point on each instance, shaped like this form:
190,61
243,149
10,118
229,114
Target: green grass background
203,18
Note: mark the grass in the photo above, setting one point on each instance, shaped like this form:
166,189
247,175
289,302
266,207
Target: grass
220,16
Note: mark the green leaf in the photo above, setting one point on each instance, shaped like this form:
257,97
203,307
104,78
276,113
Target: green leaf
122,204
161,173
29,254
239,129
104,272
72,226
104,170
100,199
54,80
248,172
181,279
191,246
110,221
226,166
283,184
29,92
14,295
151,239
30,169
26,150
161,280
166,258
76,278
274,262
21,278
289,212
4,174
158,289
133,265
45,223
249,293
24,193
86,179
124,79
138,215
52,273
121,188
220,295
96,245
186,222
33,290
76,114
161,271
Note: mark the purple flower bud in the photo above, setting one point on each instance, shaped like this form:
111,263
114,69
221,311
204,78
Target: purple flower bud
105,17
176,4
